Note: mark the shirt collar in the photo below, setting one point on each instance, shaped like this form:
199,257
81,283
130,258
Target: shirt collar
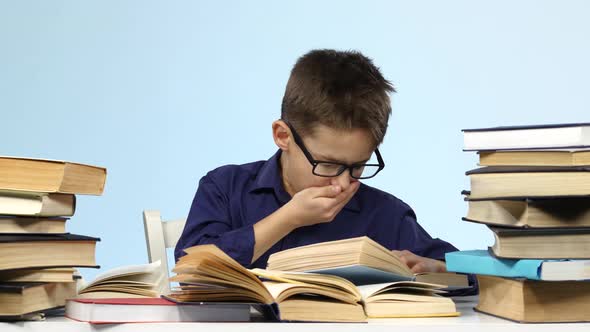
269,177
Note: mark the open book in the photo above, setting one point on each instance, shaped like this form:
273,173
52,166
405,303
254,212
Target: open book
360,260
207,274
133,281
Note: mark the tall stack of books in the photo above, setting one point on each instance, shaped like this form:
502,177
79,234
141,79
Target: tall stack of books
37,255
533,192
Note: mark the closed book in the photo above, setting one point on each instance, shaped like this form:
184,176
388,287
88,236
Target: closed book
153,310
39,275
535,158
540,243
559,212
481,262
49,250
37,204
22,298
32,225
531,301
496,182
50,176
566,135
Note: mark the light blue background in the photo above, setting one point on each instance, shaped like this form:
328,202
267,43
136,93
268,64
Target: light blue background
162,92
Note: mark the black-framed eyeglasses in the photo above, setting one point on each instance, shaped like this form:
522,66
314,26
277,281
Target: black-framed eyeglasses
332,169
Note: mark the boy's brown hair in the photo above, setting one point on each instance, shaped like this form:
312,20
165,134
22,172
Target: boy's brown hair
338,89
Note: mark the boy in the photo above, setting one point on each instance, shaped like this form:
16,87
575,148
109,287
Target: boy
334,116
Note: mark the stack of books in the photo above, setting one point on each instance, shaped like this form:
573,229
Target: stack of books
37,255
534,195
385,287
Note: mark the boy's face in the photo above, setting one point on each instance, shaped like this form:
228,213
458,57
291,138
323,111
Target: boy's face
324,144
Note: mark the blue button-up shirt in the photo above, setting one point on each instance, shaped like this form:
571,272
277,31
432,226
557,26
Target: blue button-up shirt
232,198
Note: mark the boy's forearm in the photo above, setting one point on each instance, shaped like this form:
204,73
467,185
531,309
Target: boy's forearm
271,230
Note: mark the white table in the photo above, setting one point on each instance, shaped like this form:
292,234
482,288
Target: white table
469,321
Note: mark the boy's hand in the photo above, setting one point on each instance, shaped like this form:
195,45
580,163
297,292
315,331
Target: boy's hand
419,264
318,204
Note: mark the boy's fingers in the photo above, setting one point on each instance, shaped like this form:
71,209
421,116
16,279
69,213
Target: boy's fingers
326,191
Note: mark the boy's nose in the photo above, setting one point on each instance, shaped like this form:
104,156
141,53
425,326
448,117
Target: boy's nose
343,180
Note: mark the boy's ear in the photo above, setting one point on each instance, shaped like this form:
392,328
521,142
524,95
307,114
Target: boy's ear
281,134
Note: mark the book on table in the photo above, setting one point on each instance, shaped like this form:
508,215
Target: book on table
18,299
132,281
531,301
207,274
524,212
360,260
37,204
50,176
496,182
26,251
535,158
482,263
152,310
541,243
555,136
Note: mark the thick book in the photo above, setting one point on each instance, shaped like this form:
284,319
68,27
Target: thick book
482,263
384,300
567,212
535,158
37,204
207,274
50,176
25,251
530,301
18,299
495,182
132,281
153,310
541,243
39,275
360,260
567,135
32,225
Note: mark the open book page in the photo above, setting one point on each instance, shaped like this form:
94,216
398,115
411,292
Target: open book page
282,291
368,291
129,270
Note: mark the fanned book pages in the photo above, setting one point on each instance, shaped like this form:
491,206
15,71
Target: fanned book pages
530,301
497,182
482,263
207,274
549,136
17,299
50,176
567,212
25,251
133,281
360,260
37,204
552,243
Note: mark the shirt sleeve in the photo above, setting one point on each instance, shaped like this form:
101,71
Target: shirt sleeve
414,238
209,222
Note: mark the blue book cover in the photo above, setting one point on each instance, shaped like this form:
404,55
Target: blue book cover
481,262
